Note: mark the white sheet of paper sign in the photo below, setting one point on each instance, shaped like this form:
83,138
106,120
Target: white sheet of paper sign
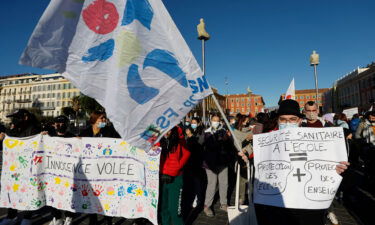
295,167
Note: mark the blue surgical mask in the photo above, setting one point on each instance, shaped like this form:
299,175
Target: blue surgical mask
288,125
194,125
187,123
101,125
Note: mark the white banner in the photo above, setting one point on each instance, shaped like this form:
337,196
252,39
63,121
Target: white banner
296,167
128,55
88,175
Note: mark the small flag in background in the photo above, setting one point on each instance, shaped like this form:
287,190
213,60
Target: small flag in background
291,92
128,55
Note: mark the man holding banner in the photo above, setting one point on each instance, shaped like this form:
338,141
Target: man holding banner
292,172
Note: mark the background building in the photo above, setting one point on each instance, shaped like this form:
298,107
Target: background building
355,89
48,93
245,103
303,96
209,104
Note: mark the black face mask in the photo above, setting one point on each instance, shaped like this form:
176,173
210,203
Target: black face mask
62,128
17,121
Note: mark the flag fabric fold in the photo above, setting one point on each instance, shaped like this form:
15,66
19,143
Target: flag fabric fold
128,55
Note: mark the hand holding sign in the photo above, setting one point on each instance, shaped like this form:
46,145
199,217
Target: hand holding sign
340,168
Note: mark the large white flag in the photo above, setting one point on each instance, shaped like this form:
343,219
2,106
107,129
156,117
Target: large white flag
128,55
291,92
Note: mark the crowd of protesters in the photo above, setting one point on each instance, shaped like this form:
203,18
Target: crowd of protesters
198,160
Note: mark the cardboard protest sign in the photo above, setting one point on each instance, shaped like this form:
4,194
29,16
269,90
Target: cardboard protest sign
88,175
296,167
350,112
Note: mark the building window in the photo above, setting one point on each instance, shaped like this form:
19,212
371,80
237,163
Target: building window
307,97
301,97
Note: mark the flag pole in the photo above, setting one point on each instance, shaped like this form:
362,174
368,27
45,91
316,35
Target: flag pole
237,143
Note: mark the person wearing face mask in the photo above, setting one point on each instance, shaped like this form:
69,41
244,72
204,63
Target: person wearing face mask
232,121
60,125
311,111
99,128
24,124
186,123
245,137
289,116
194,174
365,134
217,156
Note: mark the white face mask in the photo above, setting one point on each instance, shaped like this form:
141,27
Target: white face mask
215,124
312,116
288,125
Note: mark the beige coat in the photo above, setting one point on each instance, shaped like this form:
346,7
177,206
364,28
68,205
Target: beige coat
241,136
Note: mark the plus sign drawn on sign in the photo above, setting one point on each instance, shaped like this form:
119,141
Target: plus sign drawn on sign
299,175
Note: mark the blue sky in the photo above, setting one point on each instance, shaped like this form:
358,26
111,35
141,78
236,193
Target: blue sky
261,44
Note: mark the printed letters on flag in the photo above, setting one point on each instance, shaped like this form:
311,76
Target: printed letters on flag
128,55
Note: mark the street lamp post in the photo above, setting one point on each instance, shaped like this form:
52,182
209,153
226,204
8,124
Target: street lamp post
314,61
226,96
249,91
203,36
